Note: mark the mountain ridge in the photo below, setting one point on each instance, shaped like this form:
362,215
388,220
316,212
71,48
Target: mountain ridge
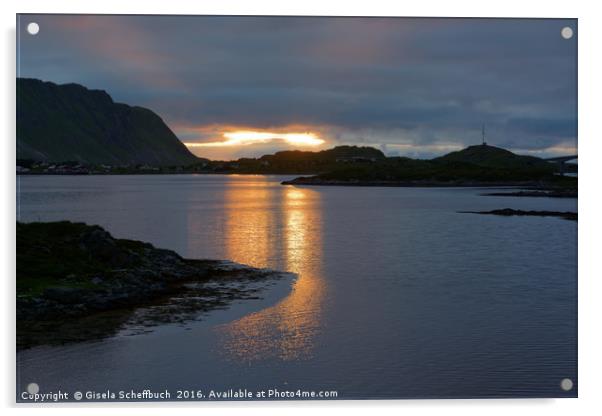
70,122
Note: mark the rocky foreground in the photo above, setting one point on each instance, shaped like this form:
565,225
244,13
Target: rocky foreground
76,282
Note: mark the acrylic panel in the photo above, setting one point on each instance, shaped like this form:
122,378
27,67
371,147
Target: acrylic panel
295,208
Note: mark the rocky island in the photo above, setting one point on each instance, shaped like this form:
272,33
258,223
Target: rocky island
536,193
76,282
509,212
475,166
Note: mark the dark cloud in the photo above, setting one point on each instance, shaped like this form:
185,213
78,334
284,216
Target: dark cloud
381,81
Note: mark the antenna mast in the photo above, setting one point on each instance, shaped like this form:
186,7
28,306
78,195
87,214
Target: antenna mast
483,134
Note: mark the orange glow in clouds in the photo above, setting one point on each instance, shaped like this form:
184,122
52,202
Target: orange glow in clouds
247,137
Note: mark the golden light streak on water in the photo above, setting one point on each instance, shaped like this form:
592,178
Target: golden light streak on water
288,329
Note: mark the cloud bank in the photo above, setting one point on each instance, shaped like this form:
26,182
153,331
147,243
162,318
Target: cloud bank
410,86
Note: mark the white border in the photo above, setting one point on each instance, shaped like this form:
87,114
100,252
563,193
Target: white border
590,149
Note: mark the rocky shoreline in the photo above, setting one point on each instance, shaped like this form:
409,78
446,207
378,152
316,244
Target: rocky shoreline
508,212
550,193
76,282
426,183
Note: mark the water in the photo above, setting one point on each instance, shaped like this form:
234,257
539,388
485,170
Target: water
398,295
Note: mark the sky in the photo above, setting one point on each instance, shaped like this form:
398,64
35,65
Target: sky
233,87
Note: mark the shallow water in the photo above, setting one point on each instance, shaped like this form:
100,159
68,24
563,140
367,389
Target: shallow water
398,295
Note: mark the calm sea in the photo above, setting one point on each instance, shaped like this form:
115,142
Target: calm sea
398,294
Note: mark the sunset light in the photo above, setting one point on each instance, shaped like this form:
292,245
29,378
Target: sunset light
245,137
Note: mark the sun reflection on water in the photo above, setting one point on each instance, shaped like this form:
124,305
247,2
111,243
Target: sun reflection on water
260,222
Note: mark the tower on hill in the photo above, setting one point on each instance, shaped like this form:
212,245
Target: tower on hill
483,135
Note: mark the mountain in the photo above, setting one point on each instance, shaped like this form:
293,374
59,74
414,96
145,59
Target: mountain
57,123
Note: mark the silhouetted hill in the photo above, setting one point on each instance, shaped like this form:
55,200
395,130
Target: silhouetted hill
494,157
339,153
473,166
300,162
57,123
